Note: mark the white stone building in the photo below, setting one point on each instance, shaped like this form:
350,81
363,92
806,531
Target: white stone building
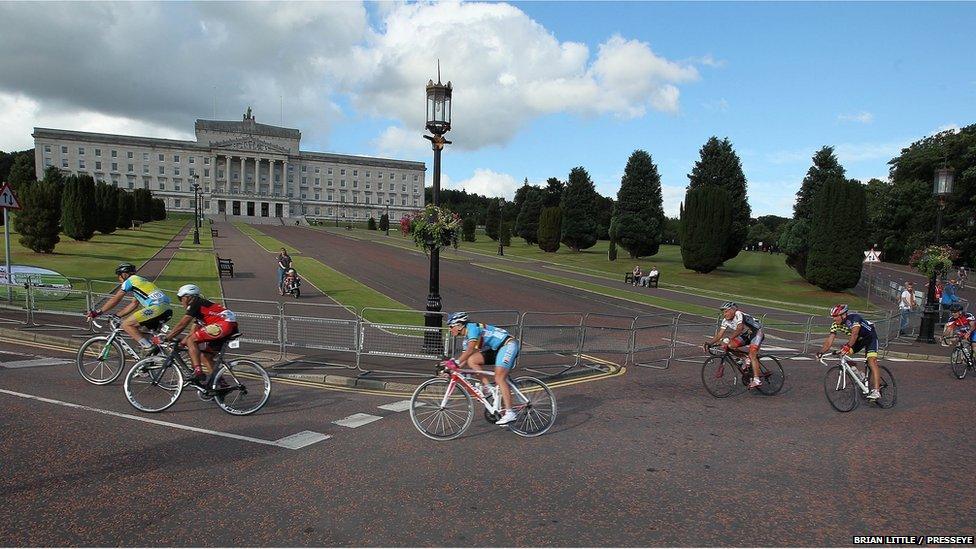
243,169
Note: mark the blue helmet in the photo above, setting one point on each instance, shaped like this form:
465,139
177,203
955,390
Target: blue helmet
457,318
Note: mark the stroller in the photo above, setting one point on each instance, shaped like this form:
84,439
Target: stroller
291,284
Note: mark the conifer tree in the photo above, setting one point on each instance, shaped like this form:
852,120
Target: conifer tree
579,228
492,218
469,227
127,204
550,229
528,217
78,207
837,235
639,213
719,165
22,172
706,222
39,220
825,169
107,207
384,222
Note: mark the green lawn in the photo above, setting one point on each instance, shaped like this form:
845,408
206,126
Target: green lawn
97,258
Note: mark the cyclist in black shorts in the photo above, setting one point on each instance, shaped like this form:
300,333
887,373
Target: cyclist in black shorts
862,335
746,330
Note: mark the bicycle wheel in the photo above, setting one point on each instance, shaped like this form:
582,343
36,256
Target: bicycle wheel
889,392
772,375
241,387
99,361
958,362
719,376
536,412
434,420
841,390
152,385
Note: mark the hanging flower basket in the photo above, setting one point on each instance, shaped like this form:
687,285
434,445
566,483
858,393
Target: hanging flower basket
933,259
433,227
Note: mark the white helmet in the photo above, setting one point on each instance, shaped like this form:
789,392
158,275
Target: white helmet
188,289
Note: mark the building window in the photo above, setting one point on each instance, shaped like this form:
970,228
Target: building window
115,154
176,185
329,182
64,149
206,161
81,163
191,160
128,154
316,210
317,182
403,177
415,177
162,170
342,171
47,163
316,169
329,197
145,169
176,202
414,189
379,176
316,196
47,148
115,166
303,196
414,201
191,172
161,158
355,184
98,152
379,186
162,185
145,157
367,174
367,185
176,158
132,184
81,150
130,170
355,173
176,170
304,168
330,169
304,179
98,165
206,172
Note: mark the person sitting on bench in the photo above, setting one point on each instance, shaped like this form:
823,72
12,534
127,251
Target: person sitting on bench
645,281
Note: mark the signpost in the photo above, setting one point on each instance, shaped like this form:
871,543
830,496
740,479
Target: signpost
8,201
871,257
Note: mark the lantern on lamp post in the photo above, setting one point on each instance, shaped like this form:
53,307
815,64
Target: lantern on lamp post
438,124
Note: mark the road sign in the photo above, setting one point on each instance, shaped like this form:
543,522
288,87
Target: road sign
872,256
7,198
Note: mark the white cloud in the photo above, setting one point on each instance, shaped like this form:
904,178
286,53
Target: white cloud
954,128
709,61
486,182
862,117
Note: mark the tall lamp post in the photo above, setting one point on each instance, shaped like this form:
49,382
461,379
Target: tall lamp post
438,123
196,210
944,179
387,216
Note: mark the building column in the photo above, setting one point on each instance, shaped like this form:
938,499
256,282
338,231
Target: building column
213,171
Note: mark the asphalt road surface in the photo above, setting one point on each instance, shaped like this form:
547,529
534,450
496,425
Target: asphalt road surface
644,458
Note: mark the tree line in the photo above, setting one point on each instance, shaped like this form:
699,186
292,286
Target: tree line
76,206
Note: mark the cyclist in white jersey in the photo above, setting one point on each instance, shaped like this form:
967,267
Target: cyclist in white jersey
746,330
486,344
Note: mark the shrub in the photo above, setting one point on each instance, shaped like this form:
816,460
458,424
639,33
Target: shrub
550,229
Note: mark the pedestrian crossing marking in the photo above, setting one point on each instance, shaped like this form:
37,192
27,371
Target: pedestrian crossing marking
357,420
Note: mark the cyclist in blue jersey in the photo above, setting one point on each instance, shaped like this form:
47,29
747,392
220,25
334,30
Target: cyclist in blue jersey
861,335
487,344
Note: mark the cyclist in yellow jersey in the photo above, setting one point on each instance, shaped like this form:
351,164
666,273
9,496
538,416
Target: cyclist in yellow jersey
150,308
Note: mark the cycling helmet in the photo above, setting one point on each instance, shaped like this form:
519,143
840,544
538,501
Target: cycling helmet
729,305
457,318
838,310
125,268
955,308
188,289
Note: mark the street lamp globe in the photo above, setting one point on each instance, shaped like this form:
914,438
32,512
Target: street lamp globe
438,106
944,180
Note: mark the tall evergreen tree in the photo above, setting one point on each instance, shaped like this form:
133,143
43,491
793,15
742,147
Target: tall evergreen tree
142,208
107,207
384,222
837,235
639,213
550,229
604,211
159,210
719,165
519,201
21,172
469,227
553,193
39,220
78,207
127,206
579,211
706,223
491,220
825,169
528,218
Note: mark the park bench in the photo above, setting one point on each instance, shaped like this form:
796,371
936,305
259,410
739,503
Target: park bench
651,282
225,265
213,232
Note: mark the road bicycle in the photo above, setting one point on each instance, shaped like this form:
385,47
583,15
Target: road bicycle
961,359
725,372
240,386
442,408
845,383
102,358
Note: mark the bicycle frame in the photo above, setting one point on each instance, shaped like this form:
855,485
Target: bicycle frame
461,378
115,324
845,364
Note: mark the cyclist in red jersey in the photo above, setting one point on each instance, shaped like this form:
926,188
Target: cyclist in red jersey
215,324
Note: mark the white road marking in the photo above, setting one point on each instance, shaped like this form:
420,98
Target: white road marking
32,363
357,420
158,422
894,359
800,358
302,439
399,406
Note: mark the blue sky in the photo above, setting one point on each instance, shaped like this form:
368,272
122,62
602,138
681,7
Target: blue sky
540,87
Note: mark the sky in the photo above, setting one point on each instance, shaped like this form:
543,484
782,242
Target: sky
539,87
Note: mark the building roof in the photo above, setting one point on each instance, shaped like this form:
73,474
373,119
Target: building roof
363,160
51,133
248,126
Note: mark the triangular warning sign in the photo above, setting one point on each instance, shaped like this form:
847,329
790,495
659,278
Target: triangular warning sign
7,198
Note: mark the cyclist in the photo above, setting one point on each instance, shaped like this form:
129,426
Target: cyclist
486,344
746,330
962,325
862,335
149,310
215,324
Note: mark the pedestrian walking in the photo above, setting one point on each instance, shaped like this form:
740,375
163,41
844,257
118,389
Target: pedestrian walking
906,304
963,275
284,263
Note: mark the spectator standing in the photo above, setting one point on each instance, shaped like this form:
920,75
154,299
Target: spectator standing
963,275
906,304
949,293
284,263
